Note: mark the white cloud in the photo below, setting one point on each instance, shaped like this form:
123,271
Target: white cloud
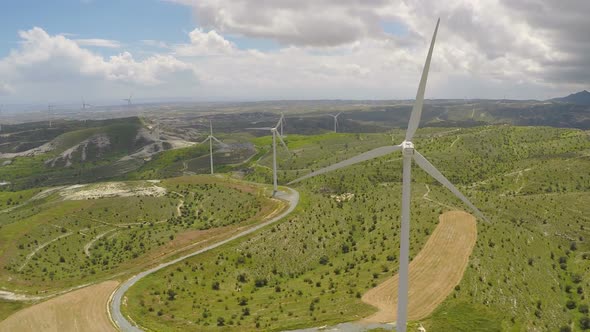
44,58
107,43
205,43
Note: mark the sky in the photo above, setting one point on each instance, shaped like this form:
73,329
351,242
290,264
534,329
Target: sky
101,51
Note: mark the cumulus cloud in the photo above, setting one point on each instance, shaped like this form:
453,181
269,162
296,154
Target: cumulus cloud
305,22
42,57
534,41
205,43
107,43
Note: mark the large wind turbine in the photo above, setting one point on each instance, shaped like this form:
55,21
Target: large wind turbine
335,116
409,153
275,134
210,138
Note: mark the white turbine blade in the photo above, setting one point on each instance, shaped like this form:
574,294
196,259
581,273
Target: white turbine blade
278,123
206,139
210,128
417,109
218,141
428,168
283,143
375,153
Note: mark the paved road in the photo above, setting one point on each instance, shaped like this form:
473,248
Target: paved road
292,197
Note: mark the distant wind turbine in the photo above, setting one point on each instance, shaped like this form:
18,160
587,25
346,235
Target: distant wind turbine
128,100
335,120
84,105
409,153
211,138
275,133
49,107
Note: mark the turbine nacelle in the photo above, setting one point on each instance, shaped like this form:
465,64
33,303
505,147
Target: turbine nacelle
407,148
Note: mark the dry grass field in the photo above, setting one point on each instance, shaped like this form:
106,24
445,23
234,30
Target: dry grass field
81,310
434,272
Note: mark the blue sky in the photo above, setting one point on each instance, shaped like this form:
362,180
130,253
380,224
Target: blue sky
127,21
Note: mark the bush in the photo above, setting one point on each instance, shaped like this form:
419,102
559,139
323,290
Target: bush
583,308
260,282
570,304
220,321
324,260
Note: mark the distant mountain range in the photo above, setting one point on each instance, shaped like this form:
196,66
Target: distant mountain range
578,98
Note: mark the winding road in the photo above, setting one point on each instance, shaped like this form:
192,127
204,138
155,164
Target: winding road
123,323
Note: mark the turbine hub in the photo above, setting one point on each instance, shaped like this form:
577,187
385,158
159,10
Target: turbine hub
408,148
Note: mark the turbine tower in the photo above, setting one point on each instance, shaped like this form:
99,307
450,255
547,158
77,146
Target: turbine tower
1,117
275,133
409,153
210,138
335,120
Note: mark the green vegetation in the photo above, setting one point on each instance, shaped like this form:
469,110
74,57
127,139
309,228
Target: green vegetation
68,236
7,308
529,265
77,156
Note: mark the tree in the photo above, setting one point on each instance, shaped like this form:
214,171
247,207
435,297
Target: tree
171,295
220,321
570,304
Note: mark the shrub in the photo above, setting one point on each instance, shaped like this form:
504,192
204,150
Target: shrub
570,304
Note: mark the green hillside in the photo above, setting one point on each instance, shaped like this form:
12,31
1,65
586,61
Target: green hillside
528,270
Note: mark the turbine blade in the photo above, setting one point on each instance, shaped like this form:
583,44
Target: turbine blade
372,154
218,141
283,143
428,168
206,139
417,109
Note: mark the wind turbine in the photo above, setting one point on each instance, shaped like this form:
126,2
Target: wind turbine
129,99
210,138
335,120
275,134
49,107
409,153
84,105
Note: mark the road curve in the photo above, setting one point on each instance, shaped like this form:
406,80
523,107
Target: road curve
114,310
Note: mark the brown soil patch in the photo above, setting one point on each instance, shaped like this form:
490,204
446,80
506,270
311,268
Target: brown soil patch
434,273
81,310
